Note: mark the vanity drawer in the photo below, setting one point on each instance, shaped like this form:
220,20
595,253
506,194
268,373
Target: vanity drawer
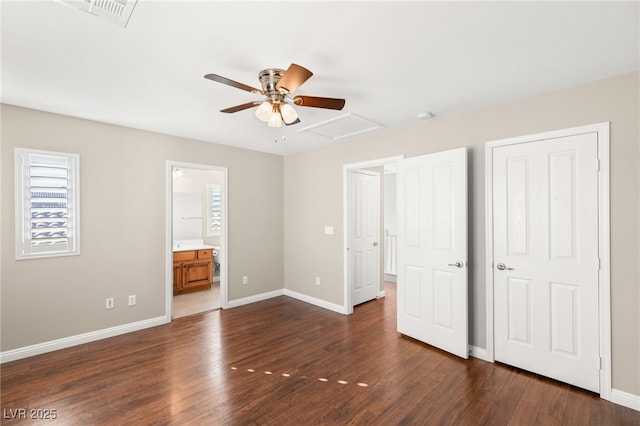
179,256
205,254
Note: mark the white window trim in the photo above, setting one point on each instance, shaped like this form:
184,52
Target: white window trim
23,247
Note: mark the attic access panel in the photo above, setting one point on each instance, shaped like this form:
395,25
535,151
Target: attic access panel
343,127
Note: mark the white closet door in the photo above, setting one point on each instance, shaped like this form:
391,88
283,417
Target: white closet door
545,224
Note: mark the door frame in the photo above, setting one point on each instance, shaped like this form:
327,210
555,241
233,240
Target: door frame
604,275
224,294
346,169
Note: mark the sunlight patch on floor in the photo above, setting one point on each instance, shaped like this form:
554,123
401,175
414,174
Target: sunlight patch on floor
320,379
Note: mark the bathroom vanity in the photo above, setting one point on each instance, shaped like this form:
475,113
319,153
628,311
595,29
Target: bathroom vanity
192,267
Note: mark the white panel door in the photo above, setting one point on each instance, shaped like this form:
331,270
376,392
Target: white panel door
545,224
364,231
432,250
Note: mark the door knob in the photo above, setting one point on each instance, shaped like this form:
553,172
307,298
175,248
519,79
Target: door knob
502,267
375,243
457,264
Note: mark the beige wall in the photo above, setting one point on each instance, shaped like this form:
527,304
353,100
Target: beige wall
123,192
313,198
123,213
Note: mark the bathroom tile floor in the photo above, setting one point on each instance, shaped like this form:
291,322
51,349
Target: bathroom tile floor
196,302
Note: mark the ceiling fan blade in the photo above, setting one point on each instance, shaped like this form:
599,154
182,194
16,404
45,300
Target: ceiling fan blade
293,78
228,82
316,102
241,107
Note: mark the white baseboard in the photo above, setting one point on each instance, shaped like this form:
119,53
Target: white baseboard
255,298
289,293
479,353
625,399
67,342
314,301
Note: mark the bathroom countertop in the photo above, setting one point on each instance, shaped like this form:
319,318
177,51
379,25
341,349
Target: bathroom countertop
191,245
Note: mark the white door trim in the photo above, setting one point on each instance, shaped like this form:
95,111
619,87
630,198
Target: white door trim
602,130
346,168
224,294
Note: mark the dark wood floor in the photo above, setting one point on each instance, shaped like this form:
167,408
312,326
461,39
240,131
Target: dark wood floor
282,362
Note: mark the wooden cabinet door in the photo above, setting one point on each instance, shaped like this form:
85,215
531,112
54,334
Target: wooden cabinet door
177,276
196,274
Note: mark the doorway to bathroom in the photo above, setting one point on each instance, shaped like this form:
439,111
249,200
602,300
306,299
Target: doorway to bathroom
196,238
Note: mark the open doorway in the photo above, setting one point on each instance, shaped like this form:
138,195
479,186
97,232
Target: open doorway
387,168
390,223
196,238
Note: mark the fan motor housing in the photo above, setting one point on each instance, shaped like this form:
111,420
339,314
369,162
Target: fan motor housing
269,78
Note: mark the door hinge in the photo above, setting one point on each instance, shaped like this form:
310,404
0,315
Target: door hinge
598,264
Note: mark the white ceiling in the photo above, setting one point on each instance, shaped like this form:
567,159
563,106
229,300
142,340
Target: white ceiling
389,60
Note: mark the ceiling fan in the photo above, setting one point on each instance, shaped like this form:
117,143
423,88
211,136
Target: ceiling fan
277,86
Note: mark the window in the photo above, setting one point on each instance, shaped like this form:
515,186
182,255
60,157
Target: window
47,204
214,210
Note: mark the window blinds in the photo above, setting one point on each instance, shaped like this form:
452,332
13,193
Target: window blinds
48,212
215,210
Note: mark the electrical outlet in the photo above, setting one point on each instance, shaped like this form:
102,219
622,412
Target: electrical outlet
245,280
317,280
132,300
109,303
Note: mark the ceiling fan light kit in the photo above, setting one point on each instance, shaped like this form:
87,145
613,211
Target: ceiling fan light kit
275,120
277,85
264,111
289,115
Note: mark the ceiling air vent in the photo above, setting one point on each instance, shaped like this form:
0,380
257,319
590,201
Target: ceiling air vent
115,11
